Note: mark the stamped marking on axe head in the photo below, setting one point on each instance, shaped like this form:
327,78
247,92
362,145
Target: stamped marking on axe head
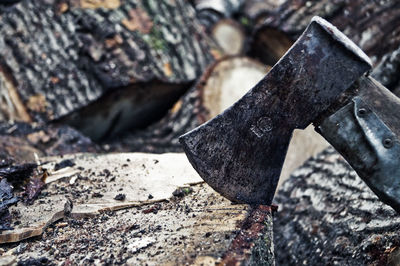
240,152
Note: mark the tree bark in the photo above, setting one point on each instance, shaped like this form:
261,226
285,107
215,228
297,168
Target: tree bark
328,216
373,25
387,71
221,85
59,56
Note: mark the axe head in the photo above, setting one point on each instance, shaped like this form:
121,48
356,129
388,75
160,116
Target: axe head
240,152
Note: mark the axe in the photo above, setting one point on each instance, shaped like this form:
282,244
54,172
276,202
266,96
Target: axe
322,79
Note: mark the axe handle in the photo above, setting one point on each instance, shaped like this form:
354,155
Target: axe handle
365,132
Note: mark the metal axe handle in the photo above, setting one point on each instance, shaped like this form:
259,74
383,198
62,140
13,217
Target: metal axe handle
365,131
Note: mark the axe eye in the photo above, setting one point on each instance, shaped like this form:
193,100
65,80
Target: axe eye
387,143
362,111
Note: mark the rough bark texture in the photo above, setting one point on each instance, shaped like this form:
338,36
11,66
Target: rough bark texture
373,25
221,85
328,216
387,71
252,245
59,56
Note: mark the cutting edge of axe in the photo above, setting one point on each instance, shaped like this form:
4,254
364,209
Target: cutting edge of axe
240,152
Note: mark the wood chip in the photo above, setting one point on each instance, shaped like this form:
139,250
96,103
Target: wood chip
37,103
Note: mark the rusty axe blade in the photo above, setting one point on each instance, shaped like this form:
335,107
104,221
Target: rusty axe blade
240,152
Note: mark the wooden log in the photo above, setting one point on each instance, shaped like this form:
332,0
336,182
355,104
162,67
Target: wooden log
253,10
226,8
220,86
166,217
387,71
57,57
230,22
373,25
328,216
230,36
267,44
217,20
257,10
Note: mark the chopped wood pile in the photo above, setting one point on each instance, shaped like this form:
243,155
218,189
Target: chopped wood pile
93,97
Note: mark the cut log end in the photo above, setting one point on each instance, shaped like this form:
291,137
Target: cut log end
228,81
257,10
230,36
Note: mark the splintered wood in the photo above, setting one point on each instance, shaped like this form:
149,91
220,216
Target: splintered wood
142,208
